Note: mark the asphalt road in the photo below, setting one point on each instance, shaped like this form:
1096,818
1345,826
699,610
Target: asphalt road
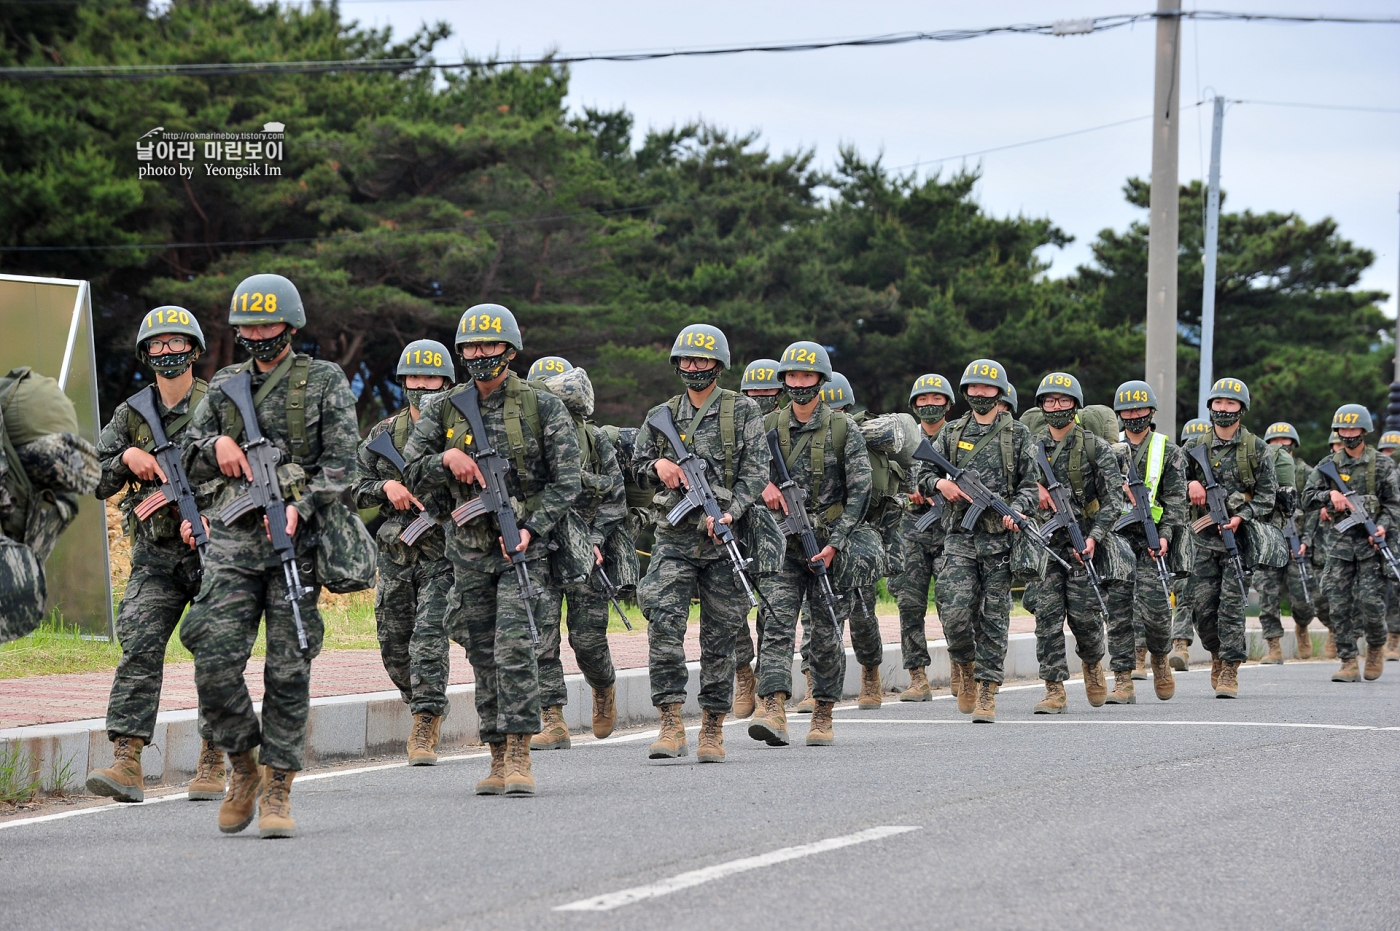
1279,810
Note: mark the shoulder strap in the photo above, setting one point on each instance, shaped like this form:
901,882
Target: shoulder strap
521,406
235,419
586,446
727,435
15,468
296,408
1246,459
197,393
401,428
1371,472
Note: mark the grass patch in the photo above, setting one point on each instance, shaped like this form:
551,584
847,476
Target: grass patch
18,782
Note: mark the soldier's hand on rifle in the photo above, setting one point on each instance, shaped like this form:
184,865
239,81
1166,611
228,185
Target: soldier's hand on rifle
1045,502
950,491
462,467
1128,493
671,475
774,498
1159,552
293,521
1234,523
399,495
710,523
1380,532
1197,493
187,532
1090,544
825,557
597,555
524,542
232,461
1339,501
1302,549
1010,524
916,498
142,464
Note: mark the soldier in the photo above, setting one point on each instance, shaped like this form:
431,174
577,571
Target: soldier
974,590
1243,466
1086,464
1183,625
411,600
1355,577
305,409
725,430
486,603
931,398
761,383
602,506
1319,536
1158,463
1293,475
165,571
1390,445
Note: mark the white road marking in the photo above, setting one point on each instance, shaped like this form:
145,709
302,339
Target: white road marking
612,900
1062,722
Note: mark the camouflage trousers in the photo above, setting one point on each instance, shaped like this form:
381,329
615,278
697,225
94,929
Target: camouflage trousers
164,579
1183,622
1143,604
220,630
1064,597
974,601
410,605
675,576
485,606
1270,584
1216,605
588,638
866,641
1392,607
747,640
1356,594
784,591
911,593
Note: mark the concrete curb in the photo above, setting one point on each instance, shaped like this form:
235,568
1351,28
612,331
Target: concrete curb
377,724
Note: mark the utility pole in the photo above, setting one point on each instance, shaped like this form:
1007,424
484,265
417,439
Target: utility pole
1392,417
1162,229
1212,240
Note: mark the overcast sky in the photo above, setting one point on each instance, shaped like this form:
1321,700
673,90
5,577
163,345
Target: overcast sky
930,100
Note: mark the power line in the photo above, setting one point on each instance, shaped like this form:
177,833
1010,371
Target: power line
1318,106
400,65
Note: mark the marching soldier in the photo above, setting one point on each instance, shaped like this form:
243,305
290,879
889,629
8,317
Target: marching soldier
488,603
931,398
411,600
1085,464
1390,445
1183,625
305,409
1355,577
1269,582
761,383
165,571
1243,466
725,430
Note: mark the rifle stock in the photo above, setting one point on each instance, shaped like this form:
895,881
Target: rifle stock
176,487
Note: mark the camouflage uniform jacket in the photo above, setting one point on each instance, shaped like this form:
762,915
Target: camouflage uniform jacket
750,464
1382,503
921,478
328,468
373,471
1098,503
550,487
1171,487
1256,504
840,504
603,499
988,462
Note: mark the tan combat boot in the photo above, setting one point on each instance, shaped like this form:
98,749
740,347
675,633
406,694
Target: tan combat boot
1392,647
1273,656
519,779
1375,662
1055,700
808,704
1163,679
967,692
1348,672
954,679
241,802
495,781
1304,636
820,732
275,804
869,699
604,711
1216,666
1180,655
210,775
745,690
1140,664
711,749
1329,649
554,733
985,710
1229,684
769,722
123,779
1095,685
919,689
423,741
671,742
1122,693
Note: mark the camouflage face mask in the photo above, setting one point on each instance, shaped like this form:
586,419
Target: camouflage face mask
698,381
487,368
982,405
171,364
415,396
1353,442
1137,424
1224,418
931,413
803,395
265,350
767,403
1059,419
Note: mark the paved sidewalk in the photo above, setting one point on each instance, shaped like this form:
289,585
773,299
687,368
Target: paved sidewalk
81,696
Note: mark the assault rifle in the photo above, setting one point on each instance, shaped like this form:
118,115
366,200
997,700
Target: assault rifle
383,444
494,497
699,494
1219,515
1295,542
1359,517
798,523
983,498
612,593
1140,512
1063,506
176,486
265,493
